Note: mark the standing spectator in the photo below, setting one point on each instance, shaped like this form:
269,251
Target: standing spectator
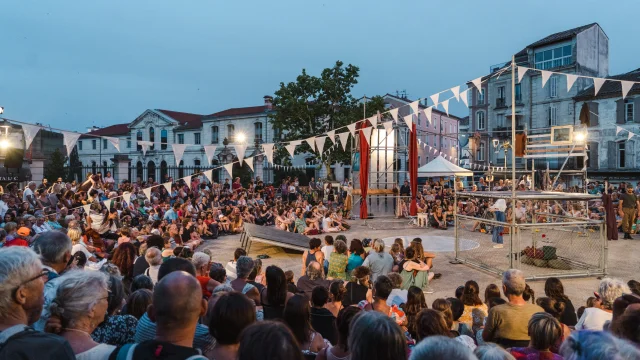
380,262
507,324
628,208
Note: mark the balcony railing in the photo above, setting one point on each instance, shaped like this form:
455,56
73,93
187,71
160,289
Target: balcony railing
501,102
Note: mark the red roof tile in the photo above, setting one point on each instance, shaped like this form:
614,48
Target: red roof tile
240,111
113,130
186,120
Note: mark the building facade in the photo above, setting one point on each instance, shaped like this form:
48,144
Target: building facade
582,51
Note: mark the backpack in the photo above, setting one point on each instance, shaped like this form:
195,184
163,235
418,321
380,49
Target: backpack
127,350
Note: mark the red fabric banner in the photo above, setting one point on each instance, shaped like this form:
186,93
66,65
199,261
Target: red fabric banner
413,169
364,172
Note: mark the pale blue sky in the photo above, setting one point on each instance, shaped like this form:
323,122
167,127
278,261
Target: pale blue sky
75,63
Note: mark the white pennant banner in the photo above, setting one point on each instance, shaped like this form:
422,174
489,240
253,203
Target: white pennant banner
187,180
618,129
478,83
147,193
445,105
145,146
626,87
268,152
456,92
409,121
343,140
210,150
208,174
114,141
367,133
126,196
30,132
545,76
229,168
168,184
465,99
240,150
311,142
107,203
291,148
415,106
374,121
427,113
521,71
630,135
394,114
597,84
249,162
332,136
70,139
388,126
320,141
571,79
87,208
178,151
352,129
435,98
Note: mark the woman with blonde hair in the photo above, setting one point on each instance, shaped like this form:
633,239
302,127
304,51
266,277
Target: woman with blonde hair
79,245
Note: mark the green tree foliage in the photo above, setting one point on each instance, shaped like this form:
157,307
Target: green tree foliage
55,167
313,105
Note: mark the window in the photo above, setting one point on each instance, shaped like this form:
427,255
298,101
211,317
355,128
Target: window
560,56
621,154
480,152
628,110
518,93
196,138
553,86
215,135
231,132
480,117
553,115
480,97
129,143
180,138
500,120
152,136
419,160
501,100
419,121
139,138
104,143
196,164
257,131
93,144
163,139
80,145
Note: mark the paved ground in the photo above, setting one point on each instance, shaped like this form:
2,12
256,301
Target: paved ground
623,260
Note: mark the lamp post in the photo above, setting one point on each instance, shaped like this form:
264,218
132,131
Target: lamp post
224,157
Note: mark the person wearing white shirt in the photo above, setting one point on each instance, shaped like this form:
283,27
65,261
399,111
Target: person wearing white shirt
29,195
40,226
3,205
599,316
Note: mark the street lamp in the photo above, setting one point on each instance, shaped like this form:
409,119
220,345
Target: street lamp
241,137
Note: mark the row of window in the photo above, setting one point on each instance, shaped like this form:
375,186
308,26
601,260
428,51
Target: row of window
501,99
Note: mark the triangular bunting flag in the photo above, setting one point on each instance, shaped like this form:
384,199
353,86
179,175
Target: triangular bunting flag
311,142
626,87
388,126
630,135
178,151
332,136
352,129
571,79
367,133
374,121
210,150
618,129
208,174
435,98
463,96
415,106
545,76
87,208
478,83
187,180
394,114
291,148
114,141
427,113
521,71
409,121
249,162
126,196
168,184
597,84
268,152
107,203
445,105
456,92
343,140
240,150
30,132
320,140
229,168
147,193
145,146
70,139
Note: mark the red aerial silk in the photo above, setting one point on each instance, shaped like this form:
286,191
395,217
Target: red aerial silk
364,172
413,169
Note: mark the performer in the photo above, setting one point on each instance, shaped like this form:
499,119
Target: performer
314,189
498,209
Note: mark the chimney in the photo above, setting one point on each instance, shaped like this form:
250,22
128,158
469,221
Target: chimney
93,128
268,102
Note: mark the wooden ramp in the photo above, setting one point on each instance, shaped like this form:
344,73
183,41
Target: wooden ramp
272,236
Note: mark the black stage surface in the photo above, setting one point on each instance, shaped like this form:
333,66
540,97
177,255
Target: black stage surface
272,236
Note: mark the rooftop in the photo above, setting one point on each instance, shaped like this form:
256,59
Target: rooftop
112,130
239,111
612,88
561,36
186,120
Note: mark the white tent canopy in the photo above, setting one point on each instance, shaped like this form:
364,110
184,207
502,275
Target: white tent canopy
442,167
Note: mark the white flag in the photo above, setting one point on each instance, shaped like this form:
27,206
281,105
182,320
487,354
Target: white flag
626,87
30,132
210,150
343,140
545,76
229,168
415,106
630,135
320,140
115,142
147,193
597,84
126,196
427,113
618,129
394,114
107,203
409,121
178,151
374,121
70,139
312,143
435,98
268,152
456,92
291,148
521,71
445,105
87,208
249,162
478,83
240,150
208,174
332,136
463,96
388,126
144,145
367,133
352,129
187,180
571,79
168,184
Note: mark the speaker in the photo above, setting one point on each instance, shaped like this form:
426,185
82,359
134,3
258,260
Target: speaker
13,158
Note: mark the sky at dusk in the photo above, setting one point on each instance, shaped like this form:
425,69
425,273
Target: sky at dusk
71,64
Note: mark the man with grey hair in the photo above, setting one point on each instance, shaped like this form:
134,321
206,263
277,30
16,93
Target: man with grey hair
22,279
154,259
29,195
54,248
508,324
441,347
244,267
379,261
313,278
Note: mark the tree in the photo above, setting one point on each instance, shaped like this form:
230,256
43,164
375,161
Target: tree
55,167
312,105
